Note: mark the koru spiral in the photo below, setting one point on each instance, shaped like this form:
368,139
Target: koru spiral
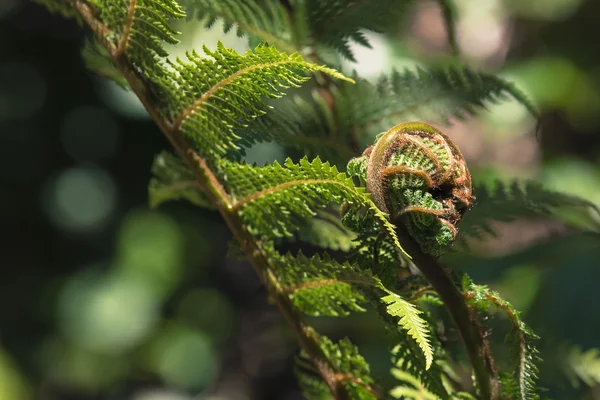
418,177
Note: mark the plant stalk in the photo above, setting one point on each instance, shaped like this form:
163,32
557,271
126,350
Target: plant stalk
475,344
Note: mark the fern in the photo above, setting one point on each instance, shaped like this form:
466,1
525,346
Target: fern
97,59
208,98
434,95
410,320
326,232
298,123
335,23
412,388
263,21
274,198
173,181
346,358
140,27
506,202
320,285
213,107
520,384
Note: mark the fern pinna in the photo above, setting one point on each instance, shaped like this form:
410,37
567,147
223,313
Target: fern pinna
401,201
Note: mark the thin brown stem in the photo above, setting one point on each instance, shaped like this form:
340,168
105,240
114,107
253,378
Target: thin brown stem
473,338
206,178
124,40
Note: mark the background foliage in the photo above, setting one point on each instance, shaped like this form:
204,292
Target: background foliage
102,298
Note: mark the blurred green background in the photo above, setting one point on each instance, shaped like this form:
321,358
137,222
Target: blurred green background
103,298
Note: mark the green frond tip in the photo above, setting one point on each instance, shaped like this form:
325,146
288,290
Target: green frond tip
411,388
434,95
410,321
173,181
207,98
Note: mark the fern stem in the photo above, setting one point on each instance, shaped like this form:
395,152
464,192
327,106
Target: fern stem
332,376
476,346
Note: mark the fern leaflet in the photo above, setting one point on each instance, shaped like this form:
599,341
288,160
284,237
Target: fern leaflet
208,98
173,181
140,27
521,384
274,199
264,21
433,95
411,322
504,202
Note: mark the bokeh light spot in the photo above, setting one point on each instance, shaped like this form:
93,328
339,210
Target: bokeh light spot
183,358
80,199
109,314
151,248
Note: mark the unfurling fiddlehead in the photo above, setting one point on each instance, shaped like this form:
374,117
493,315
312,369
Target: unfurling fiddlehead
419,177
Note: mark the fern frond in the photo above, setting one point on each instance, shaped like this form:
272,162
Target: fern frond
506,202
326,232
297,123
411,389
521,384
140,27
583,366
434,95
98,60
263,21
410,321
335,23
273,200
173,181
320,285
209,97
354,372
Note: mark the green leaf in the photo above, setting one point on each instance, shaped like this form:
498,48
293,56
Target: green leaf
433,95
207,98
412,388
325,231
334,23
173,181
411,322
139,29
97,59
320,285
263,21
346,359
521,383
275,199
505,202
